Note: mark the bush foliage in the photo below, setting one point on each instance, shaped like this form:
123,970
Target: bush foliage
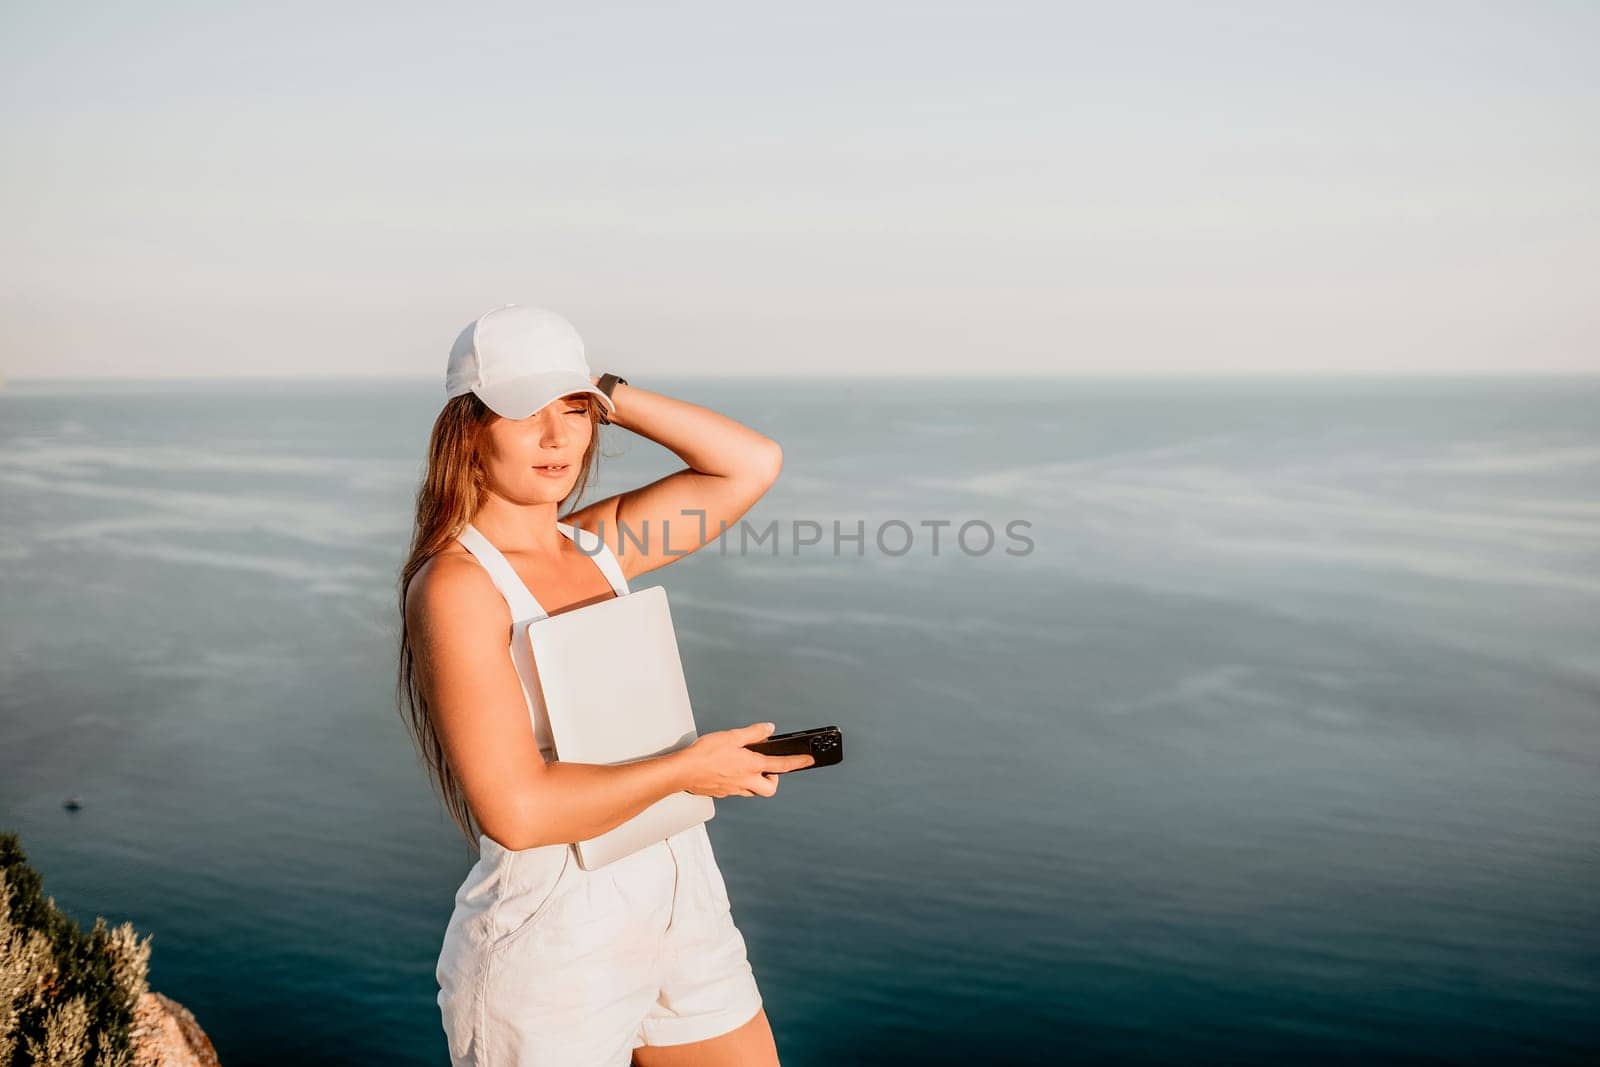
66,997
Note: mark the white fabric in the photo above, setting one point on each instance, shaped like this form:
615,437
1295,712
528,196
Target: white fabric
546,964
518,359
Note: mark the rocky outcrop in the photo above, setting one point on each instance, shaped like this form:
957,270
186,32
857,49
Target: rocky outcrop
70,997
165,1034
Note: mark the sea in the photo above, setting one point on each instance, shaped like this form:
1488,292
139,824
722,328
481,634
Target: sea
1186,721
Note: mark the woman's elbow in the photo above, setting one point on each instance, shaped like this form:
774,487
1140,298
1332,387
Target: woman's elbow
769,461
521,821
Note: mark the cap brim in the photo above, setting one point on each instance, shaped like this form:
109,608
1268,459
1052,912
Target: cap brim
520,397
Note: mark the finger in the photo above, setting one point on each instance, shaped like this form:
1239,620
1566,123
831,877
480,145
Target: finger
756,731
779,764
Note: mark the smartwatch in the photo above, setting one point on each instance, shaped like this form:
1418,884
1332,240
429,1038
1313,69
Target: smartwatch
607,383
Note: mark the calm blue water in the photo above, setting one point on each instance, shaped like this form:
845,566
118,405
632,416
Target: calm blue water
1282,745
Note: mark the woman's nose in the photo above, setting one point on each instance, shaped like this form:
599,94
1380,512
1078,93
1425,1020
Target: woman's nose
552,432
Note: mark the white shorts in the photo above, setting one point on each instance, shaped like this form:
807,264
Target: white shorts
545,963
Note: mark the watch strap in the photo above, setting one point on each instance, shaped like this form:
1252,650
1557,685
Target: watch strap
605,384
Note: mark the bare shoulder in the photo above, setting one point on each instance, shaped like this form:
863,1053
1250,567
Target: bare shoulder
449,589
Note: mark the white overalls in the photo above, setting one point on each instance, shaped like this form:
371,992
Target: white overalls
545,963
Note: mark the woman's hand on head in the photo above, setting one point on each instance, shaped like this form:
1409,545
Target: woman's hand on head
718,764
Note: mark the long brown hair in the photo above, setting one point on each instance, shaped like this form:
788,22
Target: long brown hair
453,488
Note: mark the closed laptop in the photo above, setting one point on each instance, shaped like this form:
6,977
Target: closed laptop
614,692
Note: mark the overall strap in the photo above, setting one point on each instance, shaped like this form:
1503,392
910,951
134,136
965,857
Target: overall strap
595,547
523,605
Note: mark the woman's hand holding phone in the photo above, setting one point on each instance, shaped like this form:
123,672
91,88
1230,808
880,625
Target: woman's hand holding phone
718,764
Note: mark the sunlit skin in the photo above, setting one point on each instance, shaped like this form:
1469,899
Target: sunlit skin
463,624
520,515
750,1044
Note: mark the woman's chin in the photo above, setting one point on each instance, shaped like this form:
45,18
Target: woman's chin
552,492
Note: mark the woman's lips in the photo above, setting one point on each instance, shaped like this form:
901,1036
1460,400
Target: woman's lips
553,471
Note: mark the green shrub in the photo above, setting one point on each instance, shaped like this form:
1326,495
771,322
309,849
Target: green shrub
66,997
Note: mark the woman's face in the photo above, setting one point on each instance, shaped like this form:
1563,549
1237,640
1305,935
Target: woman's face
535,460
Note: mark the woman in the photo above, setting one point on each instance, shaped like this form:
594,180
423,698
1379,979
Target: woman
544,962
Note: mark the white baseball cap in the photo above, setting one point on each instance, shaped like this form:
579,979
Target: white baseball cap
518,359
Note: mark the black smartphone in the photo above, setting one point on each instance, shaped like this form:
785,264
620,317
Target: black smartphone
825,743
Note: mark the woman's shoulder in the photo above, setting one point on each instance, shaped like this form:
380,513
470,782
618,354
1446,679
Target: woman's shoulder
454,551
449,580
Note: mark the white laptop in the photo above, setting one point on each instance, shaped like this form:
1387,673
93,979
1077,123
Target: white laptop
614,692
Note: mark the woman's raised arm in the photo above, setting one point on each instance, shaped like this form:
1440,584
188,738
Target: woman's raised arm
730,467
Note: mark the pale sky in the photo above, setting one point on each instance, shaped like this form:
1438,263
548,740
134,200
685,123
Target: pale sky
295,189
